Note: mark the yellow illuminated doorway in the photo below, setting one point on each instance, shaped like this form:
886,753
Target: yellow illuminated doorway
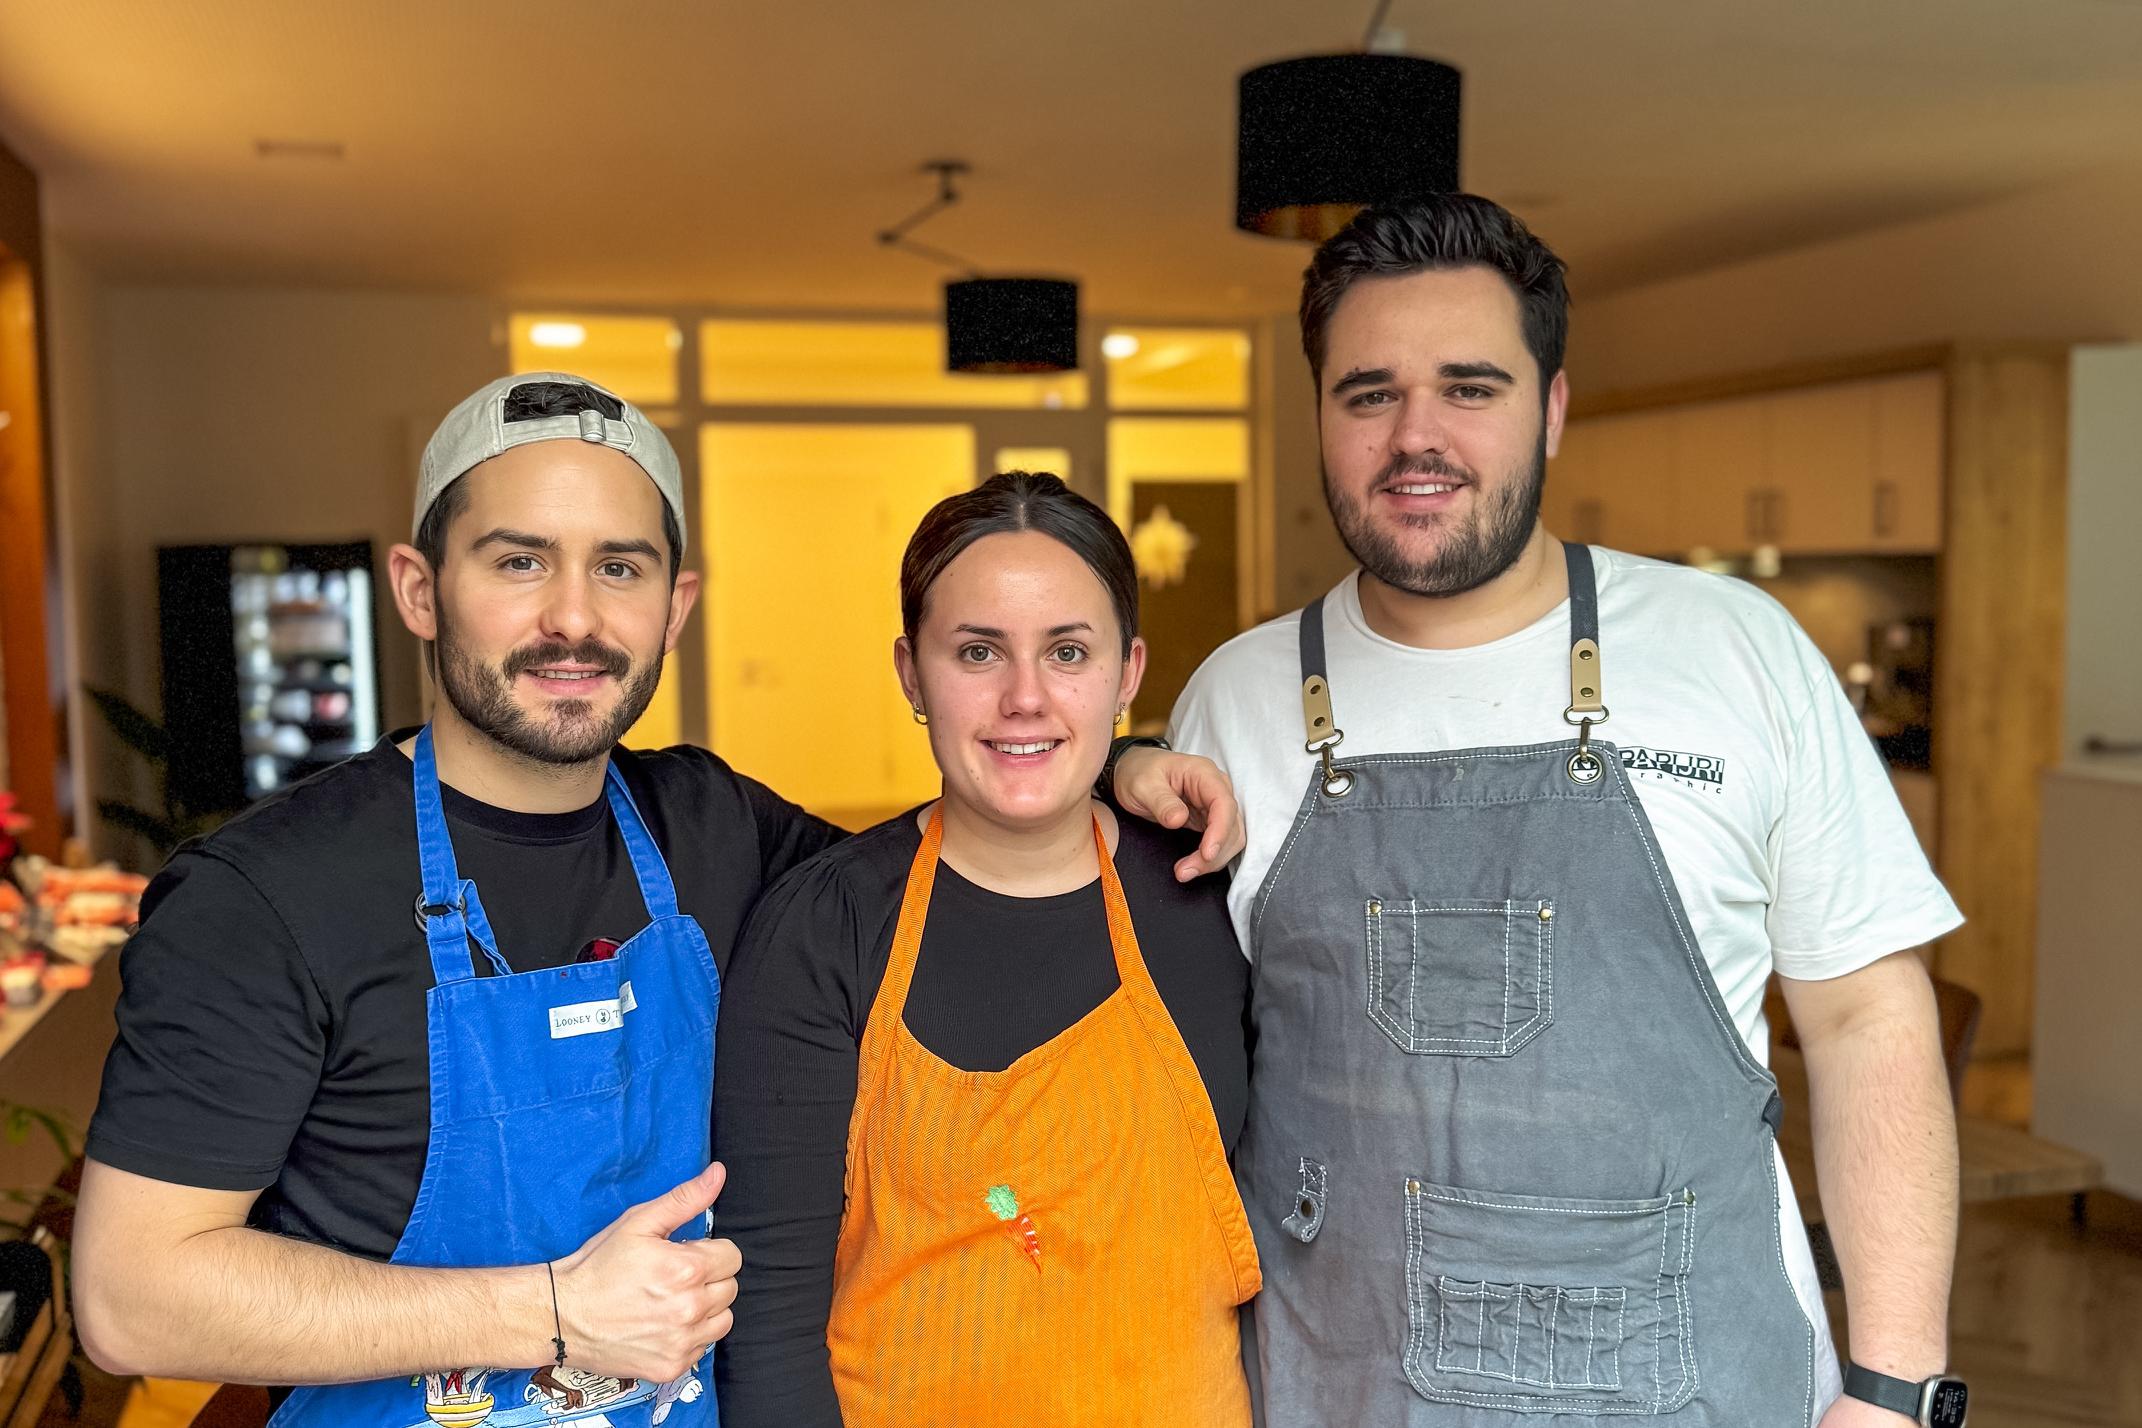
804,527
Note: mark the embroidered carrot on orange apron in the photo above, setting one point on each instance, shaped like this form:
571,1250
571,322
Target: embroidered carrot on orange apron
1058,1242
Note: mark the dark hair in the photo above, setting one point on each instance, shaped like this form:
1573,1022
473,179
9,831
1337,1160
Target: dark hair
1444,230
431,531
1019,501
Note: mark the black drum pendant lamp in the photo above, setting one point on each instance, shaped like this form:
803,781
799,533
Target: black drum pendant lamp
1321,137
994,325
1011,325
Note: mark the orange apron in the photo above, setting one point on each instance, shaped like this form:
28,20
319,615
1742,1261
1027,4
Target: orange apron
1059,1242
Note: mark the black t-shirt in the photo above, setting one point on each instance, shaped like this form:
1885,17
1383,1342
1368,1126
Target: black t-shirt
996,977
272,1017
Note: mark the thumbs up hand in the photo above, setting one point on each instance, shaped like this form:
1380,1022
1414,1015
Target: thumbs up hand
634,1304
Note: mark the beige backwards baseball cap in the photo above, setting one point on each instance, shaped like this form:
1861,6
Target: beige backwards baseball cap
544,406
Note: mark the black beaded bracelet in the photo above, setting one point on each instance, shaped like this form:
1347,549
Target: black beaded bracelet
557,1322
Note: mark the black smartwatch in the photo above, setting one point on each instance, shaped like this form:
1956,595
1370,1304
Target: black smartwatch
1105,785
1937,1402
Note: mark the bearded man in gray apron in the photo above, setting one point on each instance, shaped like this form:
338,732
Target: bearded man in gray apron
1530,825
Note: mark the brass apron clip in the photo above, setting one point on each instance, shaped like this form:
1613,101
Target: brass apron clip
1324,734
1585,709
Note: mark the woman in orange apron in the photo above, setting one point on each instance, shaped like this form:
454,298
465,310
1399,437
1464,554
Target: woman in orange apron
978,1126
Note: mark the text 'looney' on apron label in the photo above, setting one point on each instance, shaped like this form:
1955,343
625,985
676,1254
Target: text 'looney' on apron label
583,1018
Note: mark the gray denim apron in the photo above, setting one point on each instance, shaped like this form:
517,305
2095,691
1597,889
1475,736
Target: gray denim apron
1506,1152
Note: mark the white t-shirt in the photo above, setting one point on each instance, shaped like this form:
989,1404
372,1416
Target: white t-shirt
1776,818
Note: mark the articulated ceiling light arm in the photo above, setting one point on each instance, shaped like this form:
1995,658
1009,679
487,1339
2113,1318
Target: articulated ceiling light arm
993,325
947,171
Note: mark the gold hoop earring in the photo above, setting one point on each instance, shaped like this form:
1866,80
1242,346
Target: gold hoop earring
1121,710
920,717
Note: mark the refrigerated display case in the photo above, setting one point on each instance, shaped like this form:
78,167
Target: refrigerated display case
271,664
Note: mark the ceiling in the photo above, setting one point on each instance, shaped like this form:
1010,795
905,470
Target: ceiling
743,155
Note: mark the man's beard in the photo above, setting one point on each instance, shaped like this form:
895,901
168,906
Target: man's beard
572,734
1474,551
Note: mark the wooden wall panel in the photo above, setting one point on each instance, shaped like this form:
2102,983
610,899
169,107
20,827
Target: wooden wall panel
31,724
1998,665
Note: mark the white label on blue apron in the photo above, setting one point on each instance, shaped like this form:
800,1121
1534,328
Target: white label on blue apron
582,1018
625,1000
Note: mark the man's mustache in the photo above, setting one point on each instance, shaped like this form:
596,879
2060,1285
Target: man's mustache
1426,464
613,662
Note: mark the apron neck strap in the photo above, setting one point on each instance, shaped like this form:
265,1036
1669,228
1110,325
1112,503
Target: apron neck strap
907,938
1319,724
447,908
1585,699
435,846
891,1001
656,888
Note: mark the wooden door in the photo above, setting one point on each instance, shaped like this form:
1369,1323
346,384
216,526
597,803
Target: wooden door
805,526
1183,534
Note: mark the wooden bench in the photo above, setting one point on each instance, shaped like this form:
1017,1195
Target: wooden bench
28,1376
1997,1162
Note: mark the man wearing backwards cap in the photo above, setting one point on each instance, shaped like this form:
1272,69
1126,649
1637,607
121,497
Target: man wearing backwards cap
410,1096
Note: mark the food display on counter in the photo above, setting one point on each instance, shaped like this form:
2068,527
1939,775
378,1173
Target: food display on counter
22,979
14,913
54,919
82,911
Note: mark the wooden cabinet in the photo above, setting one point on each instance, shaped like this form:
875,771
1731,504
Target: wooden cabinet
1612,483
1635,479
1818,452
1718,452
1910,456
1837,468
1569,502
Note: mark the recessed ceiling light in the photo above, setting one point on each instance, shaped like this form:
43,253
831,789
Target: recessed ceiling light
557,334
325,149
1118,345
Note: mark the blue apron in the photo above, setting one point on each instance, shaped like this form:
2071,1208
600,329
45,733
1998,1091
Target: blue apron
559,1098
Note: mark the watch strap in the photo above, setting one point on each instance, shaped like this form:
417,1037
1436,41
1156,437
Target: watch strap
1105,785
1899,1395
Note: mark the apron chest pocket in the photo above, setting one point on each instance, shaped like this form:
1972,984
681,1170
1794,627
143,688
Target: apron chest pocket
1460,978
1549,1306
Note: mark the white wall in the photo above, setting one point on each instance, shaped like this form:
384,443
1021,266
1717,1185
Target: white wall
2104,683
211,414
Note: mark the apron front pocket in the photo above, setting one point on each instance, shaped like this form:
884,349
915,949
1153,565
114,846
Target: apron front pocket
1546,1305
1471,978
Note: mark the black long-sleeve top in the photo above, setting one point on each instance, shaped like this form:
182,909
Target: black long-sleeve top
996,977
